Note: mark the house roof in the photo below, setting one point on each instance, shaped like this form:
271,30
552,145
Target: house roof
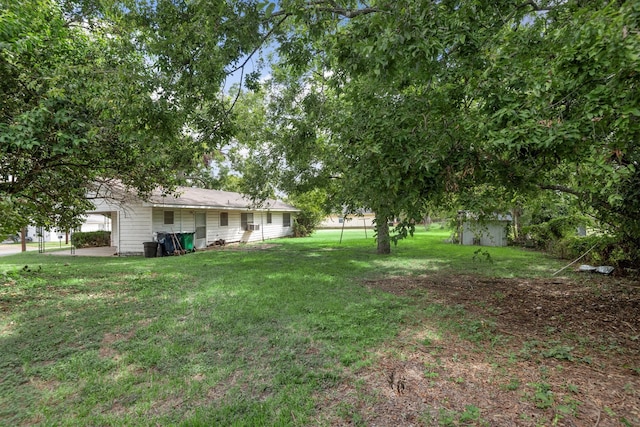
188,197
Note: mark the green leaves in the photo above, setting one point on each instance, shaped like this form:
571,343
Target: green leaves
426,101
78,105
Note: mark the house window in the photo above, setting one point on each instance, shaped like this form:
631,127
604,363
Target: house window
269,218
168,217
245,218
224,219
286,219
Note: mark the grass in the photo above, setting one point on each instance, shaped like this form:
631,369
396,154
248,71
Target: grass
231,337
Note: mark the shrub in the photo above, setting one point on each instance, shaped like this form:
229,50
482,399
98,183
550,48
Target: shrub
607,250
548,234
311,212
91,238
299,230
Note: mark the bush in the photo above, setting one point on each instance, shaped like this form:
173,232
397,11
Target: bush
311,212
300,230
607,250
91,239
548,234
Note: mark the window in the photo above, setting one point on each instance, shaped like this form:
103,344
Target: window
224,219
286,219
269,218
245,218
168,217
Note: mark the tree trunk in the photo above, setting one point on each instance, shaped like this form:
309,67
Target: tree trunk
384,241
517,226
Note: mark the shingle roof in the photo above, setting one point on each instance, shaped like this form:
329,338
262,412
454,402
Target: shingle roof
216,199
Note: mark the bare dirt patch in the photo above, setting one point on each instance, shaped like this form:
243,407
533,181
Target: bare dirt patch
236,246
503,352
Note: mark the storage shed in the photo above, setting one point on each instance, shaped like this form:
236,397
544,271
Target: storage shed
490,231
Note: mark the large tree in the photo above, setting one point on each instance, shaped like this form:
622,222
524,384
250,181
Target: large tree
113,90
404,103
79,105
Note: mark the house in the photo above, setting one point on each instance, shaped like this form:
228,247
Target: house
365,219
92,222
491,231
212,215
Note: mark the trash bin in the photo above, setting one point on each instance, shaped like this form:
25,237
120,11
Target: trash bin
186,241
170,244
150,249
161,249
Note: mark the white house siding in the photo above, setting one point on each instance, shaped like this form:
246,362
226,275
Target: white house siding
233,232
135,228
183,221
229,233
140,222
276,229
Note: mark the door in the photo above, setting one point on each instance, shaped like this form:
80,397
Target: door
201,230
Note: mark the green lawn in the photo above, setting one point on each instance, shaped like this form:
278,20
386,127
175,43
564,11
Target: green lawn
222,337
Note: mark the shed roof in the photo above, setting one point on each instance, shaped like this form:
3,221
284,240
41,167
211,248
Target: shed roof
490,217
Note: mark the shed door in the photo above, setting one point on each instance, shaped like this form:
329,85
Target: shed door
201,230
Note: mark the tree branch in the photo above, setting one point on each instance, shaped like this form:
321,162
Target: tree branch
533,5
259,45
560,188
332,7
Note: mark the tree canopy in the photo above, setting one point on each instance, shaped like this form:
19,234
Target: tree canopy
79,106
407,104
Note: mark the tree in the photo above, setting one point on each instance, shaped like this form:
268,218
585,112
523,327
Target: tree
522,97
312,205
560,105
374,137
79,107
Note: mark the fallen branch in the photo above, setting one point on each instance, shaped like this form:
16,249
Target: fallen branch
576,260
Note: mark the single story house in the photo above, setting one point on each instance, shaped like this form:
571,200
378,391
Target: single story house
92,222
212,215
364,219
492,231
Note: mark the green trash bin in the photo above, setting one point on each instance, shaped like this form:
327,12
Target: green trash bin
186,241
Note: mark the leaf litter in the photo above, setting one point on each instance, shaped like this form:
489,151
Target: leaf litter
515,352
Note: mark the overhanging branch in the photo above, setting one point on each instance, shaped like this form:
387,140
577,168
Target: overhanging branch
333,7
561,188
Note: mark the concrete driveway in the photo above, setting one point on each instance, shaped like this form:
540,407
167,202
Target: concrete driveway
103,251
16,248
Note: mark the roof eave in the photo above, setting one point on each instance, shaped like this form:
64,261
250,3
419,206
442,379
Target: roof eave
218,207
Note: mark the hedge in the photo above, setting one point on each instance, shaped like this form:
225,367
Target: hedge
91,238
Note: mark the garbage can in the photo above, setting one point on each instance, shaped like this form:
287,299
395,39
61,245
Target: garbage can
186,241
150,249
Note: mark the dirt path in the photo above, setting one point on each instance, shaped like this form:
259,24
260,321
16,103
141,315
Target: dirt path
514,352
